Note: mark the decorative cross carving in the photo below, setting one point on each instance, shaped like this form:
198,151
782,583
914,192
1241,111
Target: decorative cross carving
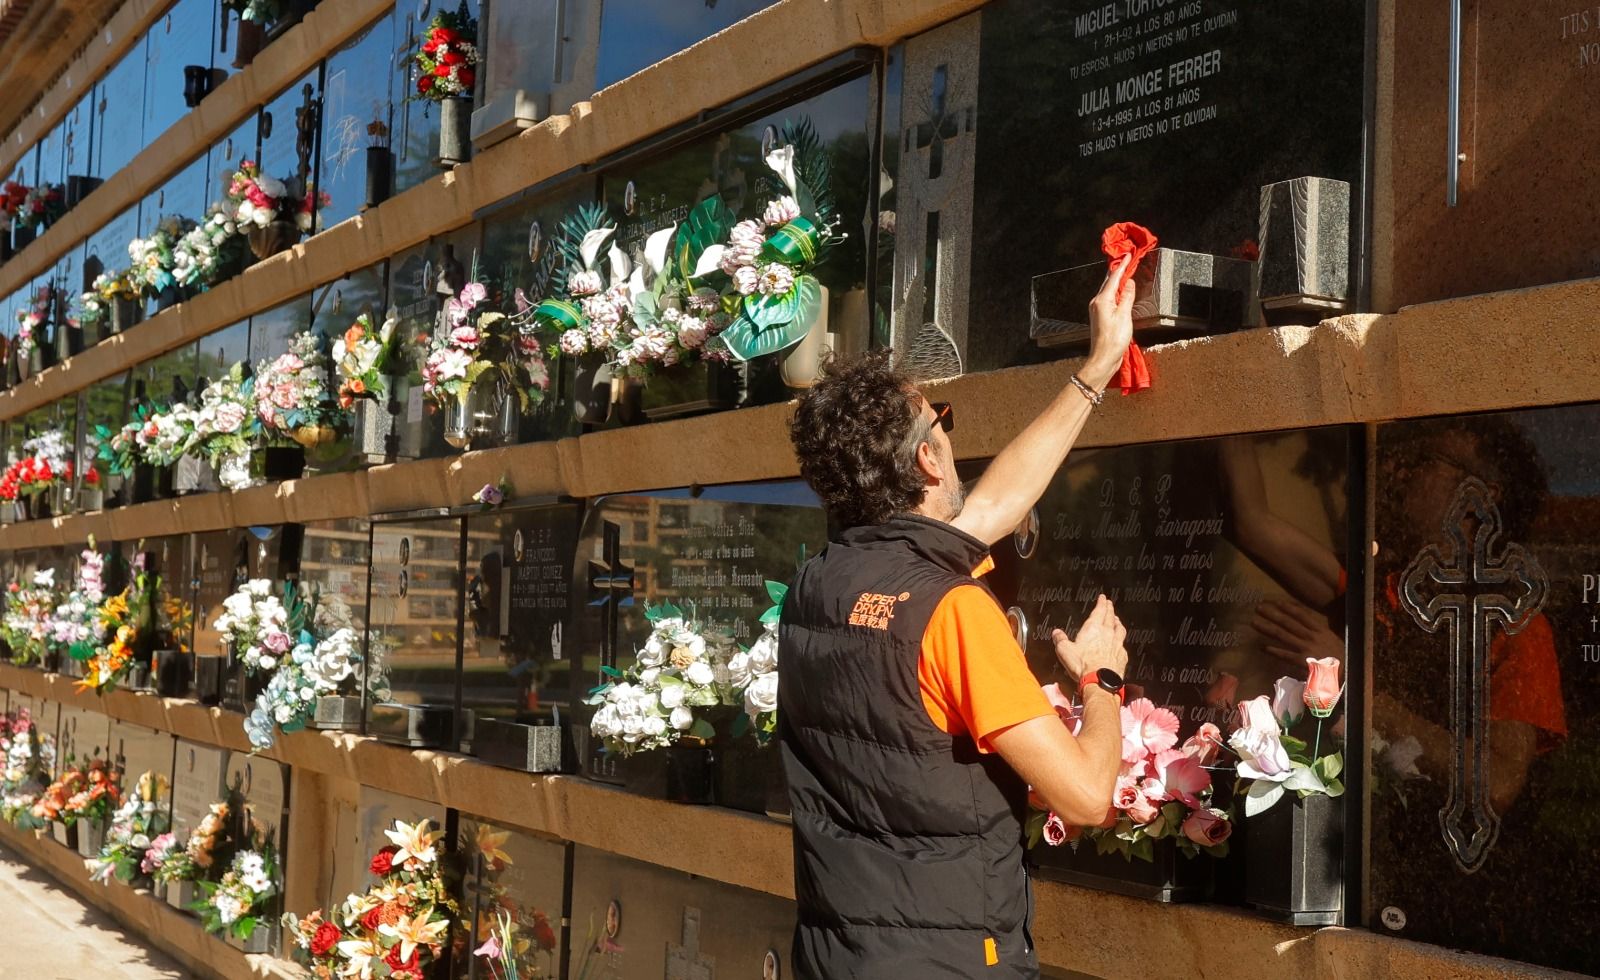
611,585
942,124
306,124
685,961
1467,586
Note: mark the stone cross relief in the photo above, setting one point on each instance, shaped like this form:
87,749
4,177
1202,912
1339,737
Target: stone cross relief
611,585
1464,587
684,960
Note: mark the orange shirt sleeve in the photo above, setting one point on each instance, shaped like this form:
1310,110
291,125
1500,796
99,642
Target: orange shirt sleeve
974,678
1525,683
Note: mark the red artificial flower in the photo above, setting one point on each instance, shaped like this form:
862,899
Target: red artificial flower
441,70
370,921
396,964
383,861
1247,250
424,84
91,477
465,76
327,935
453,57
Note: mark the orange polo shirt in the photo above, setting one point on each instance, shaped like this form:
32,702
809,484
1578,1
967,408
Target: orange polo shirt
974,678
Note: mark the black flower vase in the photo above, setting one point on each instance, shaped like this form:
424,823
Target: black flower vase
22,236
283,462
169,297
122,314
380,168
692,774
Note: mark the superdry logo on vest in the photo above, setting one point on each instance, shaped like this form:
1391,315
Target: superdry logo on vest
875,610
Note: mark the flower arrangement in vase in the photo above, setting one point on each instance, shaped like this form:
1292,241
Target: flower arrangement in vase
398,928
361,356
228,429
127,621
475,344
32,322
1272,762
95,799
12,198
1163,790
43,206
212,251
27,617
684,665
51,804
141,818
446,63
271,213
754,672
292,393
154,259
235,904
75,625
29,757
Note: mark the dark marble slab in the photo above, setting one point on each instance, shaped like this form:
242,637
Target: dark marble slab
415,615
522,877
1484,608
1028,127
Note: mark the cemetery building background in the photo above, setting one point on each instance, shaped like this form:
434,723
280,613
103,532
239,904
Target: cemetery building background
1427,311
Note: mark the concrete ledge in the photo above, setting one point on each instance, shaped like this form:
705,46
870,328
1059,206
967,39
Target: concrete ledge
751,852
179,936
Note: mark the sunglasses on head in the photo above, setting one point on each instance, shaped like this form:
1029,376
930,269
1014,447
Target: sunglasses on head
944,416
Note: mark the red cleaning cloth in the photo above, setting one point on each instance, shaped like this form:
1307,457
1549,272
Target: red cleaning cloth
1127,238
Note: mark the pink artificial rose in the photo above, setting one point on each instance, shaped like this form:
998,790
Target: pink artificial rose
1126,793
1180,777
276,641
1257,714
1322,687
1055,831
1207,827
1204,745
1144,809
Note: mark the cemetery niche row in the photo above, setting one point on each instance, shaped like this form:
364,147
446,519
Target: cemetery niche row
506,631
914,253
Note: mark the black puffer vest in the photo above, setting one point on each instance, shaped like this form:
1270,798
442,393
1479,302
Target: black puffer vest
907,842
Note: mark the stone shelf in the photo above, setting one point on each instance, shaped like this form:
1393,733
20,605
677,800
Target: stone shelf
750,852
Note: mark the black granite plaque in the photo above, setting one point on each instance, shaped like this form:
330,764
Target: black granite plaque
415,617
183,36
515,876
415,135
272,330
420,280
1204,547
289,130
358,115
714,551
516,664
1486,677
1030,126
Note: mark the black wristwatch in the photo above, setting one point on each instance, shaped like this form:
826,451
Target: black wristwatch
1108,680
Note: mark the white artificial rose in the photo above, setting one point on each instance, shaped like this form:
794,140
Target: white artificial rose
739,670
682,717
655,726
762,694
649,675
699,674
671,696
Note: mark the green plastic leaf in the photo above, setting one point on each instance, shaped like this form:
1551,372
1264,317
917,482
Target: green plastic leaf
702,729
777,591
1263,794
770,324
1294,745
772,615
1329,766
741,724
708,224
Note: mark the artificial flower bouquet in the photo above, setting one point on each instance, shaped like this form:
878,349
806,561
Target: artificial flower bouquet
447,61
75,624
154,258
683,666
30,755
135,825
362,358
52,802
31,322
12,198
638,313
228,429
754,672
96,797
261,12
257,200
475,340
163,861
398,928
292,394
1163,790
1271,761
256,624
46,463
211,251
238,902
43,206
107,289
27,617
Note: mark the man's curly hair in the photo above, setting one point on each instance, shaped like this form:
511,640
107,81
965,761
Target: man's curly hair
856,434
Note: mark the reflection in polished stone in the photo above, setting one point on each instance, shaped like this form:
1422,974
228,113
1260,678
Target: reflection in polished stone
514,881
415,603
1485,734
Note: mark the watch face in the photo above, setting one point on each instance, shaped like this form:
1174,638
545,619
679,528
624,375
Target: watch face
1109,679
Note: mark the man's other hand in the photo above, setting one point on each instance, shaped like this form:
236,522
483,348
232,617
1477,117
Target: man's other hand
1098,645
1110,328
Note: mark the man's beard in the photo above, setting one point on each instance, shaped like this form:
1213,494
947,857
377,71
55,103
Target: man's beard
955,498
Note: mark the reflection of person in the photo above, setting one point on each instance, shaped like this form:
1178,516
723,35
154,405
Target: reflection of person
1026,536
910,723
